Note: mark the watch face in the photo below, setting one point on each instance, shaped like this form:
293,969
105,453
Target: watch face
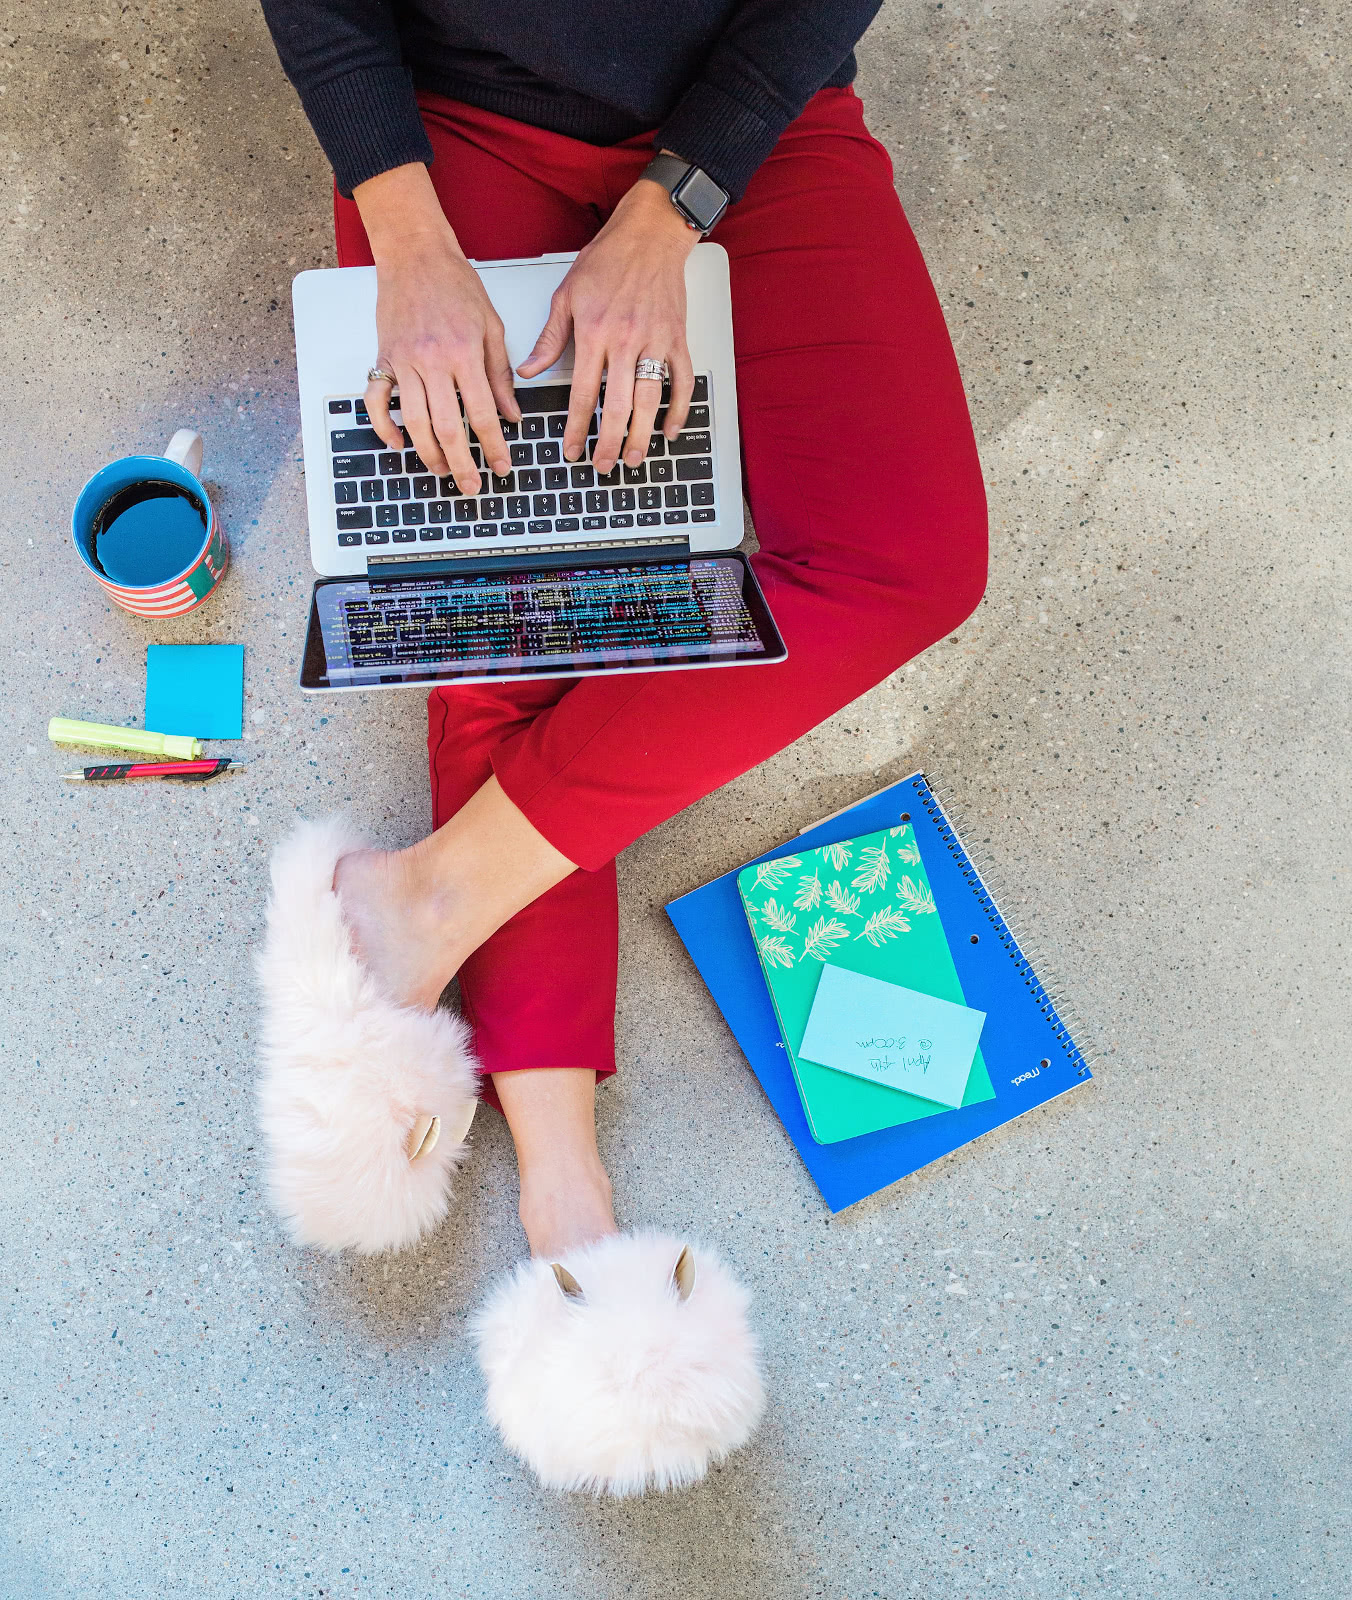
700,198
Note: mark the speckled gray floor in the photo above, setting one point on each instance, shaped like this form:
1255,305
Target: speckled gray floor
1104,1353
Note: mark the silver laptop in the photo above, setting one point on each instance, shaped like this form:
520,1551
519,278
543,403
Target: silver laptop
551,570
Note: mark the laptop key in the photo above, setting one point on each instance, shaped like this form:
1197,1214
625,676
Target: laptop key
532,427
543,397
657,446
529,480
565,525
638,474
622,522
440,511
429,534
354,517
649,519
466,510
354,466
547,451
690,444
556,425
398,489
346,539
387,516
571,503
415,514
545,505
425,488
345,439
503,482
622,499
676,494
377,538
693,467
511,530
649,499
706,515
701,494
404,535
390,463
509,429
597,500
591,523
556,477
540,527
701,390
676,516
485,530
518,505
372,489
697,417
338,407
345,493
606,479
583,475
490,507
413,462
460,530
521,454
661,471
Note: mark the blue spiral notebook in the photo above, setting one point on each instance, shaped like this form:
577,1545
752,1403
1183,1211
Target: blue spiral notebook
1029,1051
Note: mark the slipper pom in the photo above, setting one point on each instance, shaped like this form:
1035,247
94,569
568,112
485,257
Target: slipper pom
351,1081
628,1366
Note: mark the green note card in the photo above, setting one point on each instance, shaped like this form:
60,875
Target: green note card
865,905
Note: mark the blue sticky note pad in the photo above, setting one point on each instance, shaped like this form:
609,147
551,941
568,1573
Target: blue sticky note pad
196,689
892,1035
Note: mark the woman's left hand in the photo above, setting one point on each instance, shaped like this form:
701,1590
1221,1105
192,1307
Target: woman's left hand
623,299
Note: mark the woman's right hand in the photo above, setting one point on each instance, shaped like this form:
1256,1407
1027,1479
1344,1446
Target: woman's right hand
437,332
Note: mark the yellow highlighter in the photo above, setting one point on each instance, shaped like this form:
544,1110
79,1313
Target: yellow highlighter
104,736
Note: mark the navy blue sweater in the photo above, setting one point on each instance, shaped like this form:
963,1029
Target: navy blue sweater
720,80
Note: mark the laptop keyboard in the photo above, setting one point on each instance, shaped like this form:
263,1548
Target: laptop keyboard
385,497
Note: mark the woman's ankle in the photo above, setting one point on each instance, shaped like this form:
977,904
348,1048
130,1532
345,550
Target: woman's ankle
566,1206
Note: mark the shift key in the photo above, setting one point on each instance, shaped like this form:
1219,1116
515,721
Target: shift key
343,439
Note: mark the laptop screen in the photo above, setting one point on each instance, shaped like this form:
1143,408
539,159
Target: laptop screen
634,616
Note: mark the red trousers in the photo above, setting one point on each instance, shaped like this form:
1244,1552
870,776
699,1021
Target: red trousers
865,488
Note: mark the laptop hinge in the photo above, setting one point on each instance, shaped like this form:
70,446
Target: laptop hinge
417,564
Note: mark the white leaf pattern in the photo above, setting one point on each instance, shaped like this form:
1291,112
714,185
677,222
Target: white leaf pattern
771,874
917,897
874,866
776,950
822,937
809,895
842,900
777,917
884,925
907,852
839,856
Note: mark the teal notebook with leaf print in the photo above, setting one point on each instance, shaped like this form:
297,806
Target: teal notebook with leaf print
865,905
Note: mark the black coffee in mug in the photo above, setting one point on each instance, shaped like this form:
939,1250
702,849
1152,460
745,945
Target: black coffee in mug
148,533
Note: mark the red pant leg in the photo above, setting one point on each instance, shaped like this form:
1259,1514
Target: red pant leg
541,991
863,479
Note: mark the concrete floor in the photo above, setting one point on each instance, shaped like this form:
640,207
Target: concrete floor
1103,1353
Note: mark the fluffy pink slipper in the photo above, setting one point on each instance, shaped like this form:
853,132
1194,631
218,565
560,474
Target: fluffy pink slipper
625,1366
364,1103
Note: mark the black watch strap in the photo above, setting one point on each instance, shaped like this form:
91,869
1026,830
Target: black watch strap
693,192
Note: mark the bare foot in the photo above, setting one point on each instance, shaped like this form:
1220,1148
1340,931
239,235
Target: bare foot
403,928
567,1205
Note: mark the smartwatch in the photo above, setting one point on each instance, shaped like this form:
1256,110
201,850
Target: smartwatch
693,192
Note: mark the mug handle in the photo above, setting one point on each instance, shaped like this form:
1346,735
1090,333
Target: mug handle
185,448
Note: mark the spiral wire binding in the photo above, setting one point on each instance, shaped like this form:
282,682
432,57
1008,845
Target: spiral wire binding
985,889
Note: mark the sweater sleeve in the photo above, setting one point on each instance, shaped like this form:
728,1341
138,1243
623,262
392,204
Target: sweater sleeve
345,60
768,63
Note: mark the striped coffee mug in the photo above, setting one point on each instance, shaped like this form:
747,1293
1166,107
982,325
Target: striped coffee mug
197,569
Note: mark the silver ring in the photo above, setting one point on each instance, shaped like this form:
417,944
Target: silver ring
379,375
649,367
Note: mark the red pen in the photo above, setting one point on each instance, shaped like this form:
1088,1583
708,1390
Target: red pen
200,770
